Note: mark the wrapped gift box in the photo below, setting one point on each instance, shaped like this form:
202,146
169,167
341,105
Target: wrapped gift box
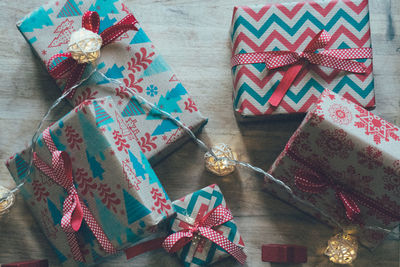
132,59
112,176
343,153
195,206
290,27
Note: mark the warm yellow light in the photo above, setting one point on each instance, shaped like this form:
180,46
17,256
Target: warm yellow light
342,248
7,202
220,167
84,46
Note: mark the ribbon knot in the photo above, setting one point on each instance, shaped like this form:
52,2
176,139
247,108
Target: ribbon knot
339,59
74,209
312,182
203,227
67,67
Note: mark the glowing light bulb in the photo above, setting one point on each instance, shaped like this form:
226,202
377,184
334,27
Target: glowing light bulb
84,46
220,167
342,248
7,200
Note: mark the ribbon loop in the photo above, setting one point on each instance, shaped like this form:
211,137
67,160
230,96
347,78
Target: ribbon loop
67,67
203,227
74,210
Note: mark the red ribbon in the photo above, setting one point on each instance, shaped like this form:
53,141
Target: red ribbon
311,178
74,209
332,58
203,227
69,68
311,182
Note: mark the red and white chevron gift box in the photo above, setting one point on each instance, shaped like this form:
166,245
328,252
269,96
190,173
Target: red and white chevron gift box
273,51
344,161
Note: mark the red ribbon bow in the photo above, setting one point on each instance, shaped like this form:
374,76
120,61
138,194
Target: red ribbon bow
311,182
68,66
332,58
74,209
203,227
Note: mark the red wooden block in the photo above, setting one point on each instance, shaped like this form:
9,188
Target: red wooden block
31,263
284,253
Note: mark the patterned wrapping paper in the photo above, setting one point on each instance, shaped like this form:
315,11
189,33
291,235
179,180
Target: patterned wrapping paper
113,177
196,205
355,149
291,26
132,59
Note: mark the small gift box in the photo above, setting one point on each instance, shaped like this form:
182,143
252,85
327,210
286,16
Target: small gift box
204,230
91,191
285,55
127,55
344,162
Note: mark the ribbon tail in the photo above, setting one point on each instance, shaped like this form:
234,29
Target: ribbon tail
91,21
97,230
230,247
284,85
352,209
74,246
74,78
176,241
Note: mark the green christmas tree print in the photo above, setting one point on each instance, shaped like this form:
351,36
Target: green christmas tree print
134,209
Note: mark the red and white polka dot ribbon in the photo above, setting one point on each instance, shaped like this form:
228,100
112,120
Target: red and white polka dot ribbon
203,227
74,209
332,58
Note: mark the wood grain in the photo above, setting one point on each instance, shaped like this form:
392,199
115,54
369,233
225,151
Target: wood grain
193,37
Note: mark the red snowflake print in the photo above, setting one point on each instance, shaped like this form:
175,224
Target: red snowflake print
340,114
314,119
391,180
335,143
44,52
370,157
298,142
375,126
357,181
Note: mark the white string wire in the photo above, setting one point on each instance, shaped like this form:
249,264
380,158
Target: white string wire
190,133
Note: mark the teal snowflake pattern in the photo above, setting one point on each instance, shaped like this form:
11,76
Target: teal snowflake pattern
152,90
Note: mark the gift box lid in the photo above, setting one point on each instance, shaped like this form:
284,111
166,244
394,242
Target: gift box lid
131,59
341,159
112,178
291,27
195,206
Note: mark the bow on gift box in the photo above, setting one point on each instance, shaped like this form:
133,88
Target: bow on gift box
311,178
74,209
203,227
66,65
332,58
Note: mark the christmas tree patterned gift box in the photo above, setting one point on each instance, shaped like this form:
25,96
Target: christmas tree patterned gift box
84,159
285,55
344,161
128,56
203,230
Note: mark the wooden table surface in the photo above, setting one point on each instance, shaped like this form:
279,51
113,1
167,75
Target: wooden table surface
193,37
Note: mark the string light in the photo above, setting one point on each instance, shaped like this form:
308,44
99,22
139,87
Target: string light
220,165
7,200
84,46
342,248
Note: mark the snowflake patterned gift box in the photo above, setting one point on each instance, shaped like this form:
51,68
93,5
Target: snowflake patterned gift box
131,59
112,179
273,46
345,162
197,210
